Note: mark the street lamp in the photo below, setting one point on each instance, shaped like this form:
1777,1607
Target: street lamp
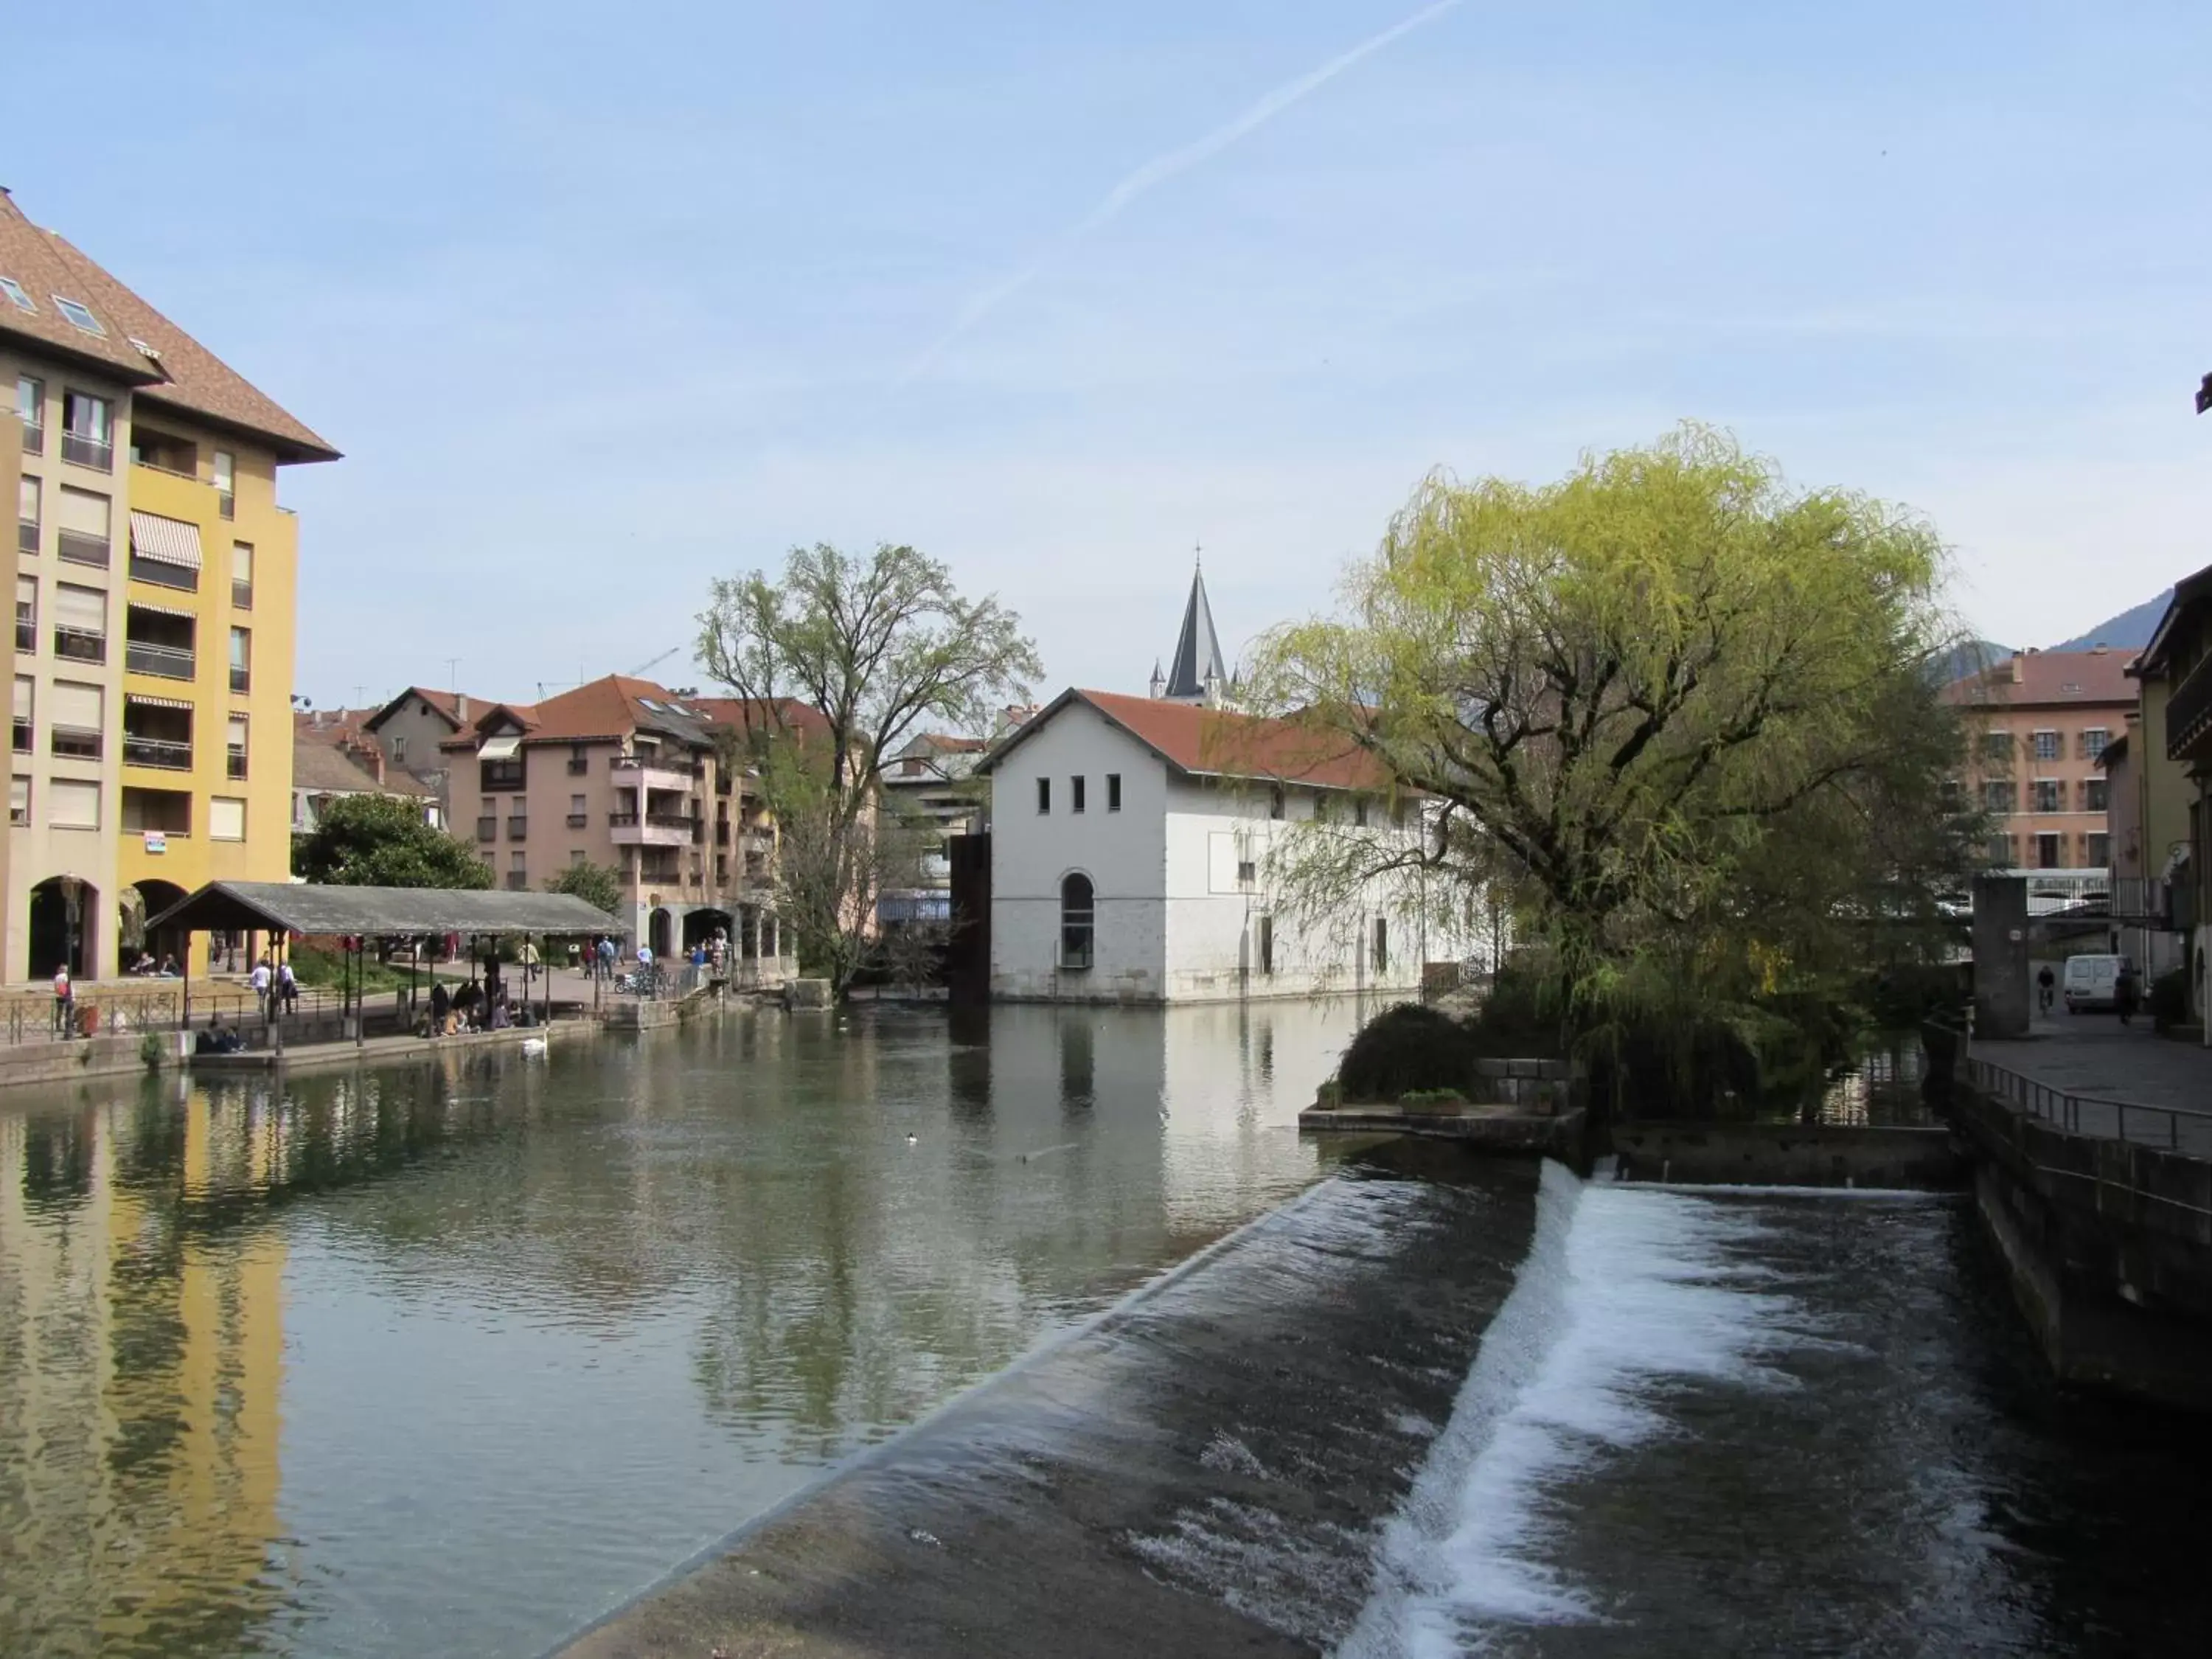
73,919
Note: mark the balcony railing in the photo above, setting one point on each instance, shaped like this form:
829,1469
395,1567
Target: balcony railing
34,440
518,826
77,547
74,742
683,821
161,573
2189,714
27,537
242,679
622,820
578,764
80,644
234,765
241,593
94,453
22,737
26,635
518,881
488,827
225,503
168,662
167,754
579,820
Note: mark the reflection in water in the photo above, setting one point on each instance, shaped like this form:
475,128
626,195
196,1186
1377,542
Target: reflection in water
451,1356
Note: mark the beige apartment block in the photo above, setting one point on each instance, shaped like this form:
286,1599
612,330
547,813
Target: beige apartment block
2040,723
155,598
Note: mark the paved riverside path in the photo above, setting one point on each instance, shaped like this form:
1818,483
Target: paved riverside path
2107,1064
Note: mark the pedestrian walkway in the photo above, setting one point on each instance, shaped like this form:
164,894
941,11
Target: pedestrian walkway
2099,1078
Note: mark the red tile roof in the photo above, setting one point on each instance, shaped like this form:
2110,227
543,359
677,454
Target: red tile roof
1217,743
2049,679
184,374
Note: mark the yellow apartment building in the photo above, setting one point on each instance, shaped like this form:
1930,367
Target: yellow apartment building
156,595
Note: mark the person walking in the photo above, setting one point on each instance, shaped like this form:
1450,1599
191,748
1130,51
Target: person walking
260,979
65,1003
2044,982
2124,993
288,987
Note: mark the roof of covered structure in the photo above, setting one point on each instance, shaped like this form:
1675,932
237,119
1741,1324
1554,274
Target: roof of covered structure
308,908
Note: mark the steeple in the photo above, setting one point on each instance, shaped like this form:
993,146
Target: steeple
1196,672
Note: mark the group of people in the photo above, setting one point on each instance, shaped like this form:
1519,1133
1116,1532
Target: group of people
147,967
276,991
469,1006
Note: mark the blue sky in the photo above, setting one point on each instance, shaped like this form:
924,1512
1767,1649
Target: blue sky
603,302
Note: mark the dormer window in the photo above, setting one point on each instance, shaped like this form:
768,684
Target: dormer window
16,297
79,315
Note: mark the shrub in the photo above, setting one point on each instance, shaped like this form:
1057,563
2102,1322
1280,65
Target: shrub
1404,1049
2168,1002
1433,1097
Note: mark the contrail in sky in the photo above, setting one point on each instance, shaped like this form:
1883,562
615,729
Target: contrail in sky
1159,170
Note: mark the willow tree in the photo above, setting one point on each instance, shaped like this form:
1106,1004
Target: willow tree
1680,711
837,665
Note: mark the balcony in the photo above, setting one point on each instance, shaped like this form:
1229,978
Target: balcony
159,573
650,829
163,754
234,763
2189,715
34,440
518,826
75,742
80,645
77,547
579,820
578,764
631,773
659,875
96,452
488,827
27,634
168,662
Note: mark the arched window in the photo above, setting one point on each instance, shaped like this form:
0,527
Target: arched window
1076,915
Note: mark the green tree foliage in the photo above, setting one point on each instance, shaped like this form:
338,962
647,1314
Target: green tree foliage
1681,713
597,884
881,646
380,841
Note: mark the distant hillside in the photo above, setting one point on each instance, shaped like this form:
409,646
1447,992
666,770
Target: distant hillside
1971,658
2129,631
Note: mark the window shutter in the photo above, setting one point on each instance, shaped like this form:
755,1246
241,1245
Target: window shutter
81,706
85,513
235,733
226,818
26,593
22,696
241,562
72,804
84,608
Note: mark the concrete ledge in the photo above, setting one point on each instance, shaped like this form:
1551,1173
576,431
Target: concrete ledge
378,1050
117,1054
1487,1128
1788,1155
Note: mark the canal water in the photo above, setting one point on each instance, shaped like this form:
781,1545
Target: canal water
456,1358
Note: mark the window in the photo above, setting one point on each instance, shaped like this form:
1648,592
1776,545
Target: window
399,751
222,473
2095,741
580,762
27,613
85,522
242,574
1077,917
2000,852
1248,871
19,800
577,816
23,695
1044,794
1266,944
2049,852
72,804
2100,846
75,719
2096,794
2049,745
226,818
576,855
1075,794
28,516
1998,797
1381,954
242,659
79,314
1320,807
1113,791
2049,795
234,747
87,431
1275,801
16,297
79,624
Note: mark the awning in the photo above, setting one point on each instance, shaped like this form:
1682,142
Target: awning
165,541
307,907
144,701
137,604
498,749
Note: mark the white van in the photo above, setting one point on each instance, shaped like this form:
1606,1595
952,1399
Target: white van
2091,982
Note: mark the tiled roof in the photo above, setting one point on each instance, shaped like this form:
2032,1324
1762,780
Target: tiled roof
2053,679
184,374
1216,742
803,720
323,767
447,703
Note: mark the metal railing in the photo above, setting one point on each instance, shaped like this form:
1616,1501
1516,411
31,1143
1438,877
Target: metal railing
75,742
80,644
241,593
2188,711
27,536
518,826
35,439
242,679
74,547
165,753
234,765
488,827
96,452
2184,1129
26,636
168,662
161,573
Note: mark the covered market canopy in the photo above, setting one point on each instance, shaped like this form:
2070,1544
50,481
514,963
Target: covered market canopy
297,908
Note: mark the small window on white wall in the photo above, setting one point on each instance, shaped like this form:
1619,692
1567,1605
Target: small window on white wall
72,804
226,818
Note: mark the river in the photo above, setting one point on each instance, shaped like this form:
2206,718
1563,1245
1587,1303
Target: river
455,1358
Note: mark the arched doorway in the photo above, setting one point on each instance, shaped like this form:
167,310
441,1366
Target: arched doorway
60,908
1076,915
701,926
137,905
658,931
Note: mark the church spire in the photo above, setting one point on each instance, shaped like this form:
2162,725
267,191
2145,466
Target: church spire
1196,671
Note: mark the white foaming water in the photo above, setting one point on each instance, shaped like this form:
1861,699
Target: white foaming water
1623,1288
